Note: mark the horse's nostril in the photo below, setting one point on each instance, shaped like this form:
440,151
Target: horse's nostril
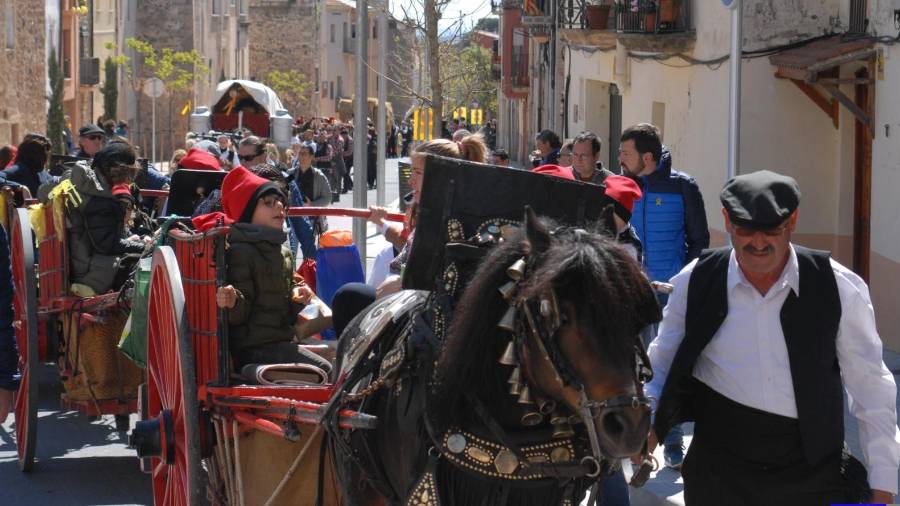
613,424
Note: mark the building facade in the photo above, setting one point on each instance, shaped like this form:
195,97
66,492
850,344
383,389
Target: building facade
283,36
818,103
23,107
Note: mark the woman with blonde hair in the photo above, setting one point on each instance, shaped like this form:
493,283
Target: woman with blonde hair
352,298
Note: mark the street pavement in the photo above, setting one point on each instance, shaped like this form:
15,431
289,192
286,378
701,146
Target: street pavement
79,462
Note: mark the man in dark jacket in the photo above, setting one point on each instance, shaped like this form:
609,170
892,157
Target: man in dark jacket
547,145
670,221
586,166
90,141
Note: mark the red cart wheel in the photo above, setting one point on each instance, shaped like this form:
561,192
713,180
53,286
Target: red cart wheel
172,436
25,306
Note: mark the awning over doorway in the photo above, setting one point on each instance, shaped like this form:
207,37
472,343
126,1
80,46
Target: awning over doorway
817,63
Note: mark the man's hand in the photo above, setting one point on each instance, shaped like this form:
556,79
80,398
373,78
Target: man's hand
6,403
226,297
881,497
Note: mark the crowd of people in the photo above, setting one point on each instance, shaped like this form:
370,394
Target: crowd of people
751,337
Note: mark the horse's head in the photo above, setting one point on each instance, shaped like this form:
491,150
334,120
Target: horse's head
573,303
585,301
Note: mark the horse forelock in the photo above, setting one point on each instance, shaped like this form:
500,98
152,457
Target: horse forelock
611,297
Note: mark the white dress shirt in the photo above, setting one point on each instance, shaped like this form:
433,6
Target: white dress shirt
747,359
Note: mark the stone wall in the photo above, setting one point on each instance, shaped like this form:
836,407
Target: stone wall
164,24
282,36
23,108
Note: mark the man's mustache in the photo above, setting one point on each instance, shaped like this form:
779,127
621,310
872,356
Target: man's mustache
753,251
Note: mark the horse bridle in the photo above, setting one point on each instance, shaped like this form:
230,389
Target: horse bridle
539,318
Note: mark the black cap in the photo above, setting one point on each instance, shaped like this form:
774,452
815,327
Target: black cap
760,200
90,129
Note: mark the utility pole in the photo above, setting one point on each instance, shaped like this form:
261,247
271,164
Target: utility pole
360,125
381,122
734,97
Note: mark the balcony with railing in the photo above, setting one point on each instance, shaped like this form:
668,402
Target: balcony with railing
655,25
587,24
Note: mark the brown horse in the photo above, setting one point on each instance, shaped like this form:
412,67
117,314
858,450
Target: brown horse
535,390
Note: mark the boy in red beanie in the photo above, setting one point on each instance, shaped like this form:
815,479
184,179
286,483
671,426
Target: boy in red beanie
261,297
621,193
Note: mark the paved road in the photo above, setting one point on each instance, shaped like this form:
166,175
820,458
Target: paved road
79,462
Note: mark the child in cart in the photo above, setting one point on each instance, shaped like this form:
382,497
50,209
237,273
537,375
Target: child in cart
261,296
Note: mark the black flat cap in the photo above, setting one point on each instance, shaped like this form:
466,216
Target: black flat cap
90,129
760,200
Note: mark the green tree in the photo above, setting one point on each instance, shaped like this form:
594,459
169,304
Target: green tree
55,116
291,86
110,88
467,78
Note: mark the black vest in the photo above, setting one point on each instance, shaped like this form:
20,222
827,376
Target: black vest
810,326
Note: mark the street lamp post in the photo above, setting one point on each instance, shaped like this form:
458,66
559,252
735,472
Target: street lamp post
734,106
382,102
360,125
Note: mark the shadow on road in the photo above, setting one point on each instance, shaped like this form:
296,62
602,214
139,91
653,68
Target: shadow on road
79,461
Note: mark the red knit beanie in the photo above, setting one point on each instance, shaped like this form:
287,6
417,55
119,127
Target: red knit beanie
556,171
622,191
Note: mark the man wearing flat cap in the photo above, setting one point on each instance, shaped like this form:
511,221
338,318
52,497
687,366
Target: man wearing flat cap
757,343
90,140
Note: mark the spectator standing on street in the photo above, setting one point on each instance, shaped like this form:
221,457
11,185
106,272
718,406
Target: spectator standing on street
313,184
586,166
546,151
500,157
565,155
7,156
348,158
406,131
324,154
90,140
372,155
337,159
670,221
757,345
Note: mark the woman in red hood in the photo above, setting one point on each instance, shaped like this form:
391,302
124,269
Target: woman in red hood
260,294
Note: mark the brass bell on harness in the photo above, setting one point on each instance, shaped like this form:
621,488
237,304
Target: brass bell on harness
515,377
507,290
561,427
509,355
532,418
516,389
525,396
508,321
516,271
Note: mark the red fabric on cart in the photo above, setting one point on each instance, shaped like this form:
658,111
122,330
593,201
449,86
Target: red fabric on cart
307,271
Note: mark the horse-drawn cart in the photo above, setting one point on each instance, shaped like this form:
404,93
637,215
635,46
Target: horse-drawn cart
197,409
77,332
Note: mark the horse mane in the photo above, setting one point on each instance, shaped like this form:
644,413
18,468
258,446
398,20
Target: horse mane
610,294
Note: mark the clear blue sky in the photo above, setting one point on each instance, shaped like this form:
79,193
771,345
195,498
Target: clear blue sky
472,10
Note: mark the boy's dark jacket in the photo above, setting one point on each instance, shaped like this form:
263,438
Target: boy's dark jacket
260,267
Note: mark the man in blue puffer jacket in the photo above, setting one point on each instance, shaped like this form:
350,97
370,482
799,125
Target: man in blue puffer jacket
670,221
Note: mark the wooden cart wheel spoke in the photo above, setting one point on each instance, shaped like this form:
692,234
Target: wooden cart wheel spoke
172,387
25,310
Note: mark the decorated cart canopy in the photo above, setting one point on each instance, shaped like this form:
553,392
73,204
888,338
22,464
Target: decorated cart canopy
245,104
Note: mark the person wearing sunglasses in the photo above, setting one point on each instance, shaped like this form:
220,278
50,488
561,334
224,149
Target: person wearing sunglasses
90,141
251,151
758,344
